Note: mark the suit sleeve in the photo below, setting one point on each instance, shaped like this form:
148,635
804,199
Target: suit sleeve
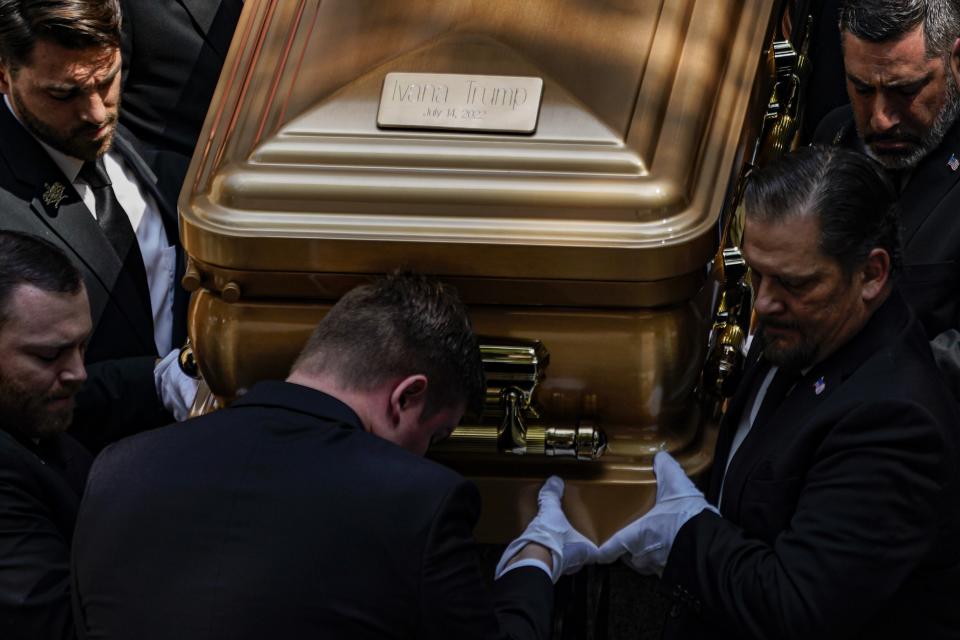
866,516
454,597
34,564
119,399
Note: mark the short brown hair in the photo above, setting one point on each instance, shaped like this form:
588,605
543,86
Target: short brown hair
30,260
400,325
72,24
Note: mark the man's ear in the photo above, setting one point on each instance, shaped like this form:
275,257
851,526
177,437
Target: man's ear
407,400
6,77
876,274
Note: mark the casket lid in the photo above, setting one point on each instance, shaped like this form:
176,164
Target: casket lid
639,131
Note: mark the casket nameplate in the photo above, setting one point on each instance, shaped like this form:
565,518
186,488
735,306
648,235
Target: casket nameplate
449,101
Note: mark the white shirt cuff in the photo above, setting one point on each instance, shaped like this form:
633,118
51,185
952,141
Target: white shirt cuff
528,562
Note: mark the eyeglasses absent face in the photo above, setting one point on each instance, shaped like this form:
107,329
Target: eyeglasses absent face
42,345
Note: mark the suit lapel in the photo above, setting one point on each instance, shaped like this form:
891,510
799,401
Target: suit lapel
215,20
788,418
124,143
931,181
147,179
731,419
70,220
202,11
810,393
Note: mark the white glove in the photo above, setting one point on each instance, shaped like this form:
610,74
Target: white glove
645,543
569,548
175,389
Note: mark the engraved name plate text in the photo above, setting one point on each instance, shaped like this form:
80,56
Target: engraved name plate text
461,102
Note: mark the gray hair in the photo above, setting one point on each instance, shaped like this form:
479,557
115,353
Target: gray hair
847,192
889,20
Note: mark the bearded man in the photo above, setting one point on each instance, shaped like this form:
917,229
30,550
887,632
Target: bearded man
902,64
44,327
68,173
831,509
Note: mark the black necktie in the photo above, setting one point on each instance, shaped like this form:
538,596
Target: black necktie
116,225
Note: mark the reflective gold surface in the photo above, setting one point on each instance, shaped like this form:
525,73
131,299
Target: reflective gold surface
592,235
511,421
631,371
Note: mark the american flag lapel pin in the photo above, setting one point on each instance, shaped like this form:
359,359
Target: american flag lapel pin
953,162
819,385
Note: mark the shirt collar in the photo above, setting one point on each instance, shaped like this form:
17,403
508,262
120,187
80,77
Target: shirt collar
69,165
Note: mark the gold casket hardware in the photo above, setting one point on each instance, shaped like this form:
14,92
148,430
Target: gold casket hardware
231,292
790,70
513,370
725,359
192,280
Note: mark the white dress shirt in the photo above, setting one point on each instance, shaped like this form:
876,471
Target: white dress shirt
159,257
747,416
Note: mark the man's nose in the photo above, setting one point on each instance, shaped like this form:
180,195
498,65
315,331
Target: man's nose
885,115
94,110
767,299
74,371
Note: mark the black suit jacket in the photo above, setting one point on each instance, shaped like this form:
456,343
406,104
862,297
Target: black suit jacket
173,51
840,511
120,395
929,206
281,518
40,488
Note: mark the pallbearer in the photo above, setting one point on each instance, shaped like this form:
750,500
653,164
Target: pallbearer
837,472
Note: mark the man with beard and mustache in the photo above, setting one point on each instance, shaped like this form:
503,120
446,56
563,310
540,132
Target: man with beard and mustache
44,327
831,509
69,173
902,64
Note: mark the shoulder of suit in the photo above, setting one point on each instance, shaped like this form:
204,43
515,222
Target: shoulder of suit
387,461
402,464
901,375
836,127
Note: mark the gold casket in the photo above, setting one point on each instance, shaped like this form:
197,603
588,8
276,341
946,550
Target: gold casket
567,164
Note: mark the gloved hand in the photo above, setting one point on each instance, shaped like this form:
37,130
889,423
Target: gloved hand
645,543
569,548
175,389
